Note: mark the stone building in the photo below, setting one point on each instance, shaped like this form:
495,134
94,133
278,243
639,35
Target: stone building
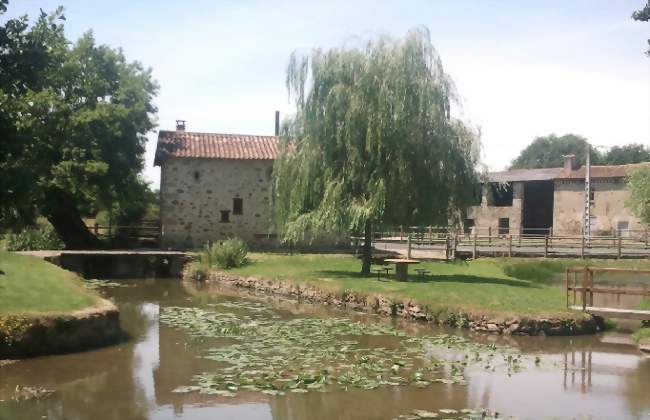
214,186
552,200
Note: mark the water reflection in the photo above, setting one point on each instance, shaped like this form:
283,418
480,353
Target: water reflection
603,376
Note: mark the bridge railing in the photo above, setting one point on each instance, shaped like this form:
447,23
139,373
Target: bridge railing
146,230
579,281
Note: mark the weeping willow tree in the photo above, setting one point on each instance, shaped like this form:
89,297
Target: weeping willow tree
372,142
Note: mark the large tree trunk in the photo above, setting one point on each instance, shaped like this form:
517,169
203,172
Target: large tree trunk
63,214
367,248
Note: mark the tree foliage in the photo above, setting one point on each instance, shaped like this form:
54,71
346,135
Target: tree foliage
372,140
639,201
548,152
73,122
643,15
628,153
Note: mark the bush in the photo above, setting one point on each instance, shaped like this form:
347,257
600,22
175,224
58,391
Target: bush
34,239
227,254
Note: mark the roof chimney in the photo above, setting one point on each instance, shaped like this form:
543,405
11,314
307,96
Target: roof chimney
180,125
277,123
569,163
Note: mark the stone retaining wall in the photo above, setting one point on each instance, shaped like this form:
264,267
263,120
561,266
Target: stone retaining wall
581,324
37,335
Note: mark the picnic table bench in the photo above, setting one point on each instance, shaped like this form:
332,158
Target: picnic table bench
379,270
401,267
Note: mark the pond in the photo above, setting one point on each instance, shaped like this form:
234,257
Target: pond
221,354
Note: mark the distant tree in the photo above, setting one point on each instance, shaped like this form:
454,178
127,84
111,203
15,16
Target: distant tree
73,119
639,201
547,152
372,142
628,153
643,15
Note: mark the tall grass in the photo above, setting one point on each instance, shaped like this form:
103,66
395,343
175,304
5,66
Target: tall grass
226,254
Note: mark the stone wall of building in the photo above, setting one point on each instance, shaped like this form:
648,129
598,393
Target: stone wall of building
608,212
195,192
487,217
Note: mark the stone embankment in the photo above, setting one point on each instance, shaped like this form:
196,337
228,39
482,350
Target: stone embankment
41,334
386,306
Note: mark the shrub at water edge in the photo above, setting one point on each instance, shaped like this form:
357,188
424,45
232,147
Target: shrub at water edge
226,254
34,239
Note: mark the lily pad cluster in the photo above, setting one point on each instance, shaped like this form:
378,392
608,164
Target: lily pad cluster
448,413
274,355
97,283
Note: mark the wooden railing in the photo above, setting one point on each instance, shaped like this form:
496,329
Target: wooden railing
146,230
580,280
507,243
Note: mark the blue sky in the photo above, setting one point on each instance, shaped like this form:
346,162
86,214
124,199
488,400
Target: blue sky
522,68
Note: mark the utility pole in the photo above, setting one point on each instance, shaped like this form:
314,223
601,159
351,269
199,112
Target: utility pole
587,216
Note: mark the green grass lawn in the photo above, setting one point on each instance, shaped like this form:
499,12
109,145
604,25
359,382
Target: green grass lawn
494,287
31,285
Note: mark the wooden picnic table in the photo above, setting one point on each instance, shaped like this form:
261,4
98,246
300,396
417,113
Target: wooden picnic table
401,267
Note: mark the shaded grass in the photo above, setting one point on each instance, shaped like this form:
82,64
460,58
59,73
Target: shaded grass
498,287
31,285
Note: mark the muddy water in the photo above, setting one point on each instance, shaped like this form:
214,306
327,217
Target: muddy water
602,376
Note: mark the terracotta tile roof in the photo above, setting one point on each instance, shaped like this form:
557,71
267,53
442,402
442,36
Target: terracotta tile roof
548,174
614,171
215,146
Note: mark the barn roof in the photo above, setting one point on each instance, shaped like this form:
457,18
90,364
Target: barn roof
548,174
189,144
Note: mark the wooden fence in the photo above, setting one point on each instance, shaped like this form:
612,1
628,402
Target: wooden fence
505,243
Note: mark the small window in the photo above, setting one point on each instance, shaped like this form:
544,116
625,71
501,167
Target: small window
225,216
197,175
592,194
501,194
468,225
504,226
237,206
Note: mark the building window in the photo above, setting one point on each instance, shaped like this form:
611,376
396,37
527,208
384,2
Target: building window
225,216
238,206
197,175
504,226
592,194
501,194
468,225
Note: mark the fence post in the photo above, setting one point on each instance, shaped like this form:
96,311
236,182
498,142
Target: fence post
546,246
489,234
408,240
509,245
591,287
447,247
646,238
585,273
620,240
401,233
520,233
474,252
566,285
96,229
582,248
430,235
